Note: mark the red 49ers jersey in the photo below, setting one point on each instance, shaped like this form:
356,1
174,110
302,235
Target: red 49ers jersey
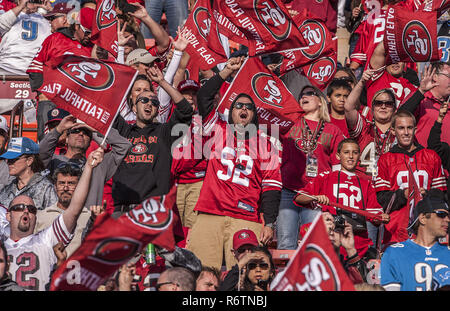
393,175
382,80
57,44
371,32
371,148
238,172
350,190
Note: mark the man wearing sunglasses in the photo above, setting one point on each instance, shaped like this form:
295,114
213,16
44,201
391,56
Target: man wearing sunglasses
411,265
34,252
74,39
242,181
394,168
145,170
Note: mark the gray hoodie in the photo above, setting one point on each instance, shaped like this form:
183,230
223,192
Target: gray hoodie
39,188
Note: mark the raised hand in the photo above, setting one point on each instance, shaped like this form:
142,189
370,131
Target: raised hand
122,39
366,75
95,157
66,123
427,83
182,40
140,13
155,74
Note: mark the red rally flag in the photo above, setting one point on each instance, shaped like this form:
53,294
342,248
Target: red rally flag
315,265
113,242
274,103
90,89
321,71
319,43
410,37
104,28
204,34
440,6
264,26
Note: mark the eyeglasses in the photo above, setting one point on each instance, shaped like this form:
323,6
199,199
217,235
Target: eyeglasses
69,164
253,265
309,93
249,106
68,184
145,100
346,79
441,214
85,131
21,207
382,102
158,285
12,161
444,74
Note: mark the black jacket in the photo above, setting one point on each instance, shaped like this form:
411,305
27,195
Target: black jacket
145,170
442,149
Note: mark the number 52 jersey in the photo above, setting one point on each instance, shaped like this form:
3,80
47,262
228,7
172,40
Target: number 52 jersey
238,172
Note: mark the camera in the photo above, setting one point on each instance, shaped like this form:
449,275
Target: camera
339,223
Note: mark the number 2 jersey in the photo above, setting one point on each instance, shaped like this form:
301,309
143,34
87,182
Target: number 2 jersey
393,174
351,190
238,172
32,258
408,266
20,44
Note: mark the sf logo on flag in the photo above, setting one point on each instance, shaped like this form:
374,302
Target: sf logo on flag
319,270
273,19
417,41
115,250
266,89
202,20
315,35
93,74
322,70
106,15
151,214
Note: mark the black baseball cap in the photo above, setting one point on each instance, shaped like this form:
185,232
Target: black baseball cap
428,204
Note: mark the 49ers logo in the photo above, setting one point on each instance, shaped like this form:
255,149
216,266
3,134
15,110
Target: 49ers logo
115,250
315,36
151,214
319,273
139,149
322,70
106,15
91,74
265,87
272,18
202,20
416,41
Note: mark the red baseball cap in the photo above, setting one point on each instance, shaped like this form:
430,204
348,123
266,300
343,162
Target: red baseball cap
188,84
244,237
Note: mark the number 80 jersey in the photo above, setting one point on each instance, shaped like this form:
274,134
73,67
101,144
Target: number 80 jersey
20,44
238,172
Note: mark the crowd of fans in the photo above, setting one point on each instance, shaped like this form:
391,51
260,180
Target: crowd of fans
355,144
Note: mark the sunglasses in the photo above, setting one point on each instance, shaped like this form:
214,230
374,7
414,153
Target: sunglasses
69,164
441,214
12,161
346,79
253,265
382,102
80,130
21,207
145,100
249,106
309,93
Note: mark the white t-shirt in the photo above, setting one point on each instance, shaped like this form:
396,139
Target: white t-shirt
32,258
21,43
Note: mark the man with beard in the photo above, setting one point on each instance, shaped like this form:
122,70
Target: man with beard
145,170
65,179
31,255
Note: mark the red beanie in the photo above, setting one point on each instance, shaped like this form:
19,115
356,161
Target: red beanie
87,17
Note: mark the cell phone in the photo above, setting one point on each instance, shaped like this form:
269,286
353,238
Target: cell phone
127,8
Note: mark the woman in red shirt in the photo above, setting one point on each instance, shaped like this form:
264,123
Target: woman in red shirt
309,148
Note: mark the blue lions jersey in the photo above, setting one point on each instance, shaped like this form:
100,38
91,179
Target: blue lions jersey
408,266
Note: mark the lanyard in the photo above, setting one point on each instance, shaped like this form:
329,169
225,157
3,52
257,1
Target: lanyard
309,140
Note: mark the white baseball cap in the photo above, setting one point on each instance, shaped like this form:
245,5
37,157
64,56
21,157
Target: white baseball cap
4,124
